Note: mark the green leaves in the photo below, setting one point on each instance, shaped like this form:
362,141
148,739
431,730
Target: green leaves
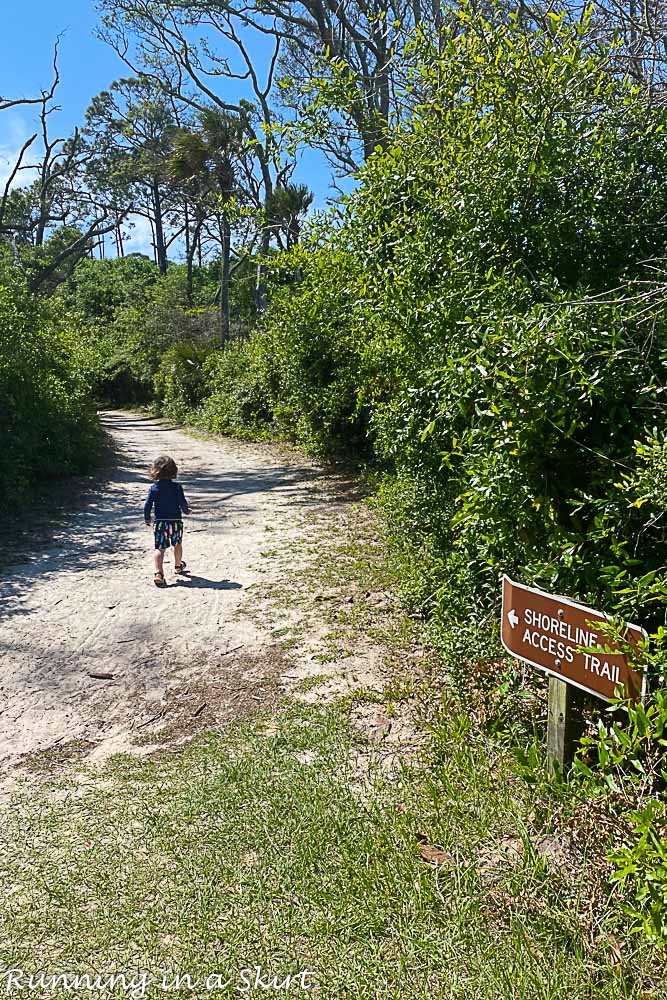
48,425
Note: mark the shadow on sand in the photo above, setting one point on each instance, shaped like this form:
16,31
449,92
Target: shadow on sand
201,583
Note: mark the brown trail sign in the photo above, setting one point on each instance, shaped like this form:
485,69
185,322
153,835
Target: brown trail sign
564,639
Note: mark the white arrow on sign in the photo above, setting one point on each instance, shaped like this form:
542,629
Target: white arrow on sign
513,618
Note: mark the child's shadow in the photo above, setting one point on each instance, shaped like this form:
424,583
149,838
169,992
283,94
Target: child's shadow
201,583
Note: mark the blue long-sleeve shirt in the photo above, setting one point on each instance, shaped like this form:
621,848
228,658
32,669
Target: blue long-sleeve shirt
168,499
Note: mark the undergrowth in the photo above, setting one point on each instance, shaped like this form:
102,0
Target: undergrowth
235,853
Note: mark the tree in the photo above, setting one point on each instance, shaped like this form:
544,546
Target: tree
157,40
285,209
633,32
209,155
58,200
339,69
130,128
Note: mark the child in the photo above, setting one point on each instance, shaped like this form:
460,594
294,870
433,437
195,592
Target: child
170,505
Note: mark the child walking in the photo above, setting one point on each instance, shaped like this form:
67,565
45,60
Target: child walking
170,505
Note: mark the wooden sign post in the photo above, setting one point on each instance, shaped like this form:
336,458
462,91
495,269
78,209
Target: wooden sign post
563,638
562,724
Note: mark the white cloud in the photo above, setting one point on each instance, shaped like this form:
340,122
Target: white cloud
137,236
14,132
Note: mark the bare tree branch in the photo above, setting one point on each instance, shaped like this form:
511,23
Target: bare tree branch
76,248
6,104
12,176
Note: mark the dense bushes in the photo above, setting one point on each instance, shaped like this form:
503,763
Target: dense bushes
134,316
486,324
48,424
237,392
179,382
483,322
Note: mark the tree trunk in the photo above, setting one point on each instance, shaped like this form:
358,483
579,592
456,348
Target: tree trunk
160,249
195,238
188,253
260,284
226,246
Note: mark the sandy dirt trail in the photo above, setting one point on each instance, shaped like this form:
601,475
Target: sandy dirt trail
86,603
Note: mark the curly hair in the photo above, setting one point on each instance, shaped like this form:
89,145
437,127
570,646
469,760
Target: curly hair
163,467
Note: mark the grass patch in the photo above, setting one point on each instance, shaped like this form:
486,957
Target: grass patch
314,681
287,843
249,849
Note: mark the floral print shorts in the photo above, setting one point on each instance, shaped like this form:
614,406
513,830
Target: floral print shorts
168,533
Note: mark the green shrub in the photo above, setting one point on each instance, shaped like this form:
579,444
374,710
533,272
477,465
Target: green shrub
180,381
481,322
624,760
48,424
237,392
641,870
98,288
133,315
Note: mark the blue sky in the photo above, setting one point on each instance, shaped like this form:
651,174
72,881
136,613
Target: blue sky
87,66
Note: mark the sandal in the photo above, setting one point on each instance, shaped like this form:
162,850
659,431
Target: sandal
159,580
181,567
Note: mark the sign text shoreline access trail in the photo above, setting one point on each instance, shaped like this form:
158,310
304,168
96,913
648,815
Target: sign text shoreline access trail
562,638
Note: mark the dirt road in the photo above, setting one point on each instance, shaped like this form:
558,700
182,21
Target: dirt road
86,604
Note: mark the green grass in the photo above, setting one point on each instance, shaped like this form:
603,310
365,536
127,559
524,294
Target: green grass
292,843
269,844
314,681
